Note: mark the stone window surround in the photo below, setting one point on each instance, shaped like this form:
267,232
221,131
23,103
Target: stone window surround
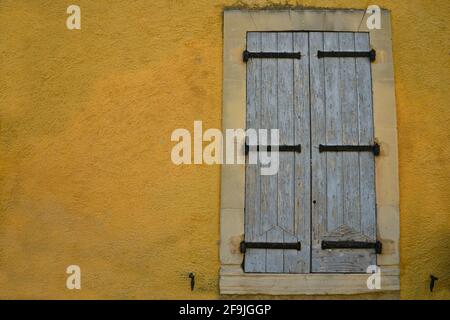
232,278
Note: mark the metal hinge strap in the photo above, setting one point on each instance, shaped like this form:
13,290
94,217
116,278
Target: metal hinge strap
375,149
348,54
352,245
270,55
269,245
282,148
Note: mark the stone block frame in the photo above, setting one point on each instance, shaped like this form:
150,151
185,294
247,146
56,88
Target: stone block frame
233,280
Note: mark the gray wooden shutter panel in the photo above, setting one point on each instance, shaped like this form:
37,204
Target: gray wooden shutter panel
343,182
315,196
277,207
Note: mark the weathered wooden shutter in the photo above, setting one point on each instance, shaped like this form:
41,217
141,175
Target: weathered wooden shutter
323,197
343,188
277,207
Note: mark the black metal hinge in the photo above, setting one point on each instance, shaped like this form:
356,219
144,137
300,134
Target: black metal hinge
271,55
352,245
348,54
375,149
269,245
282,148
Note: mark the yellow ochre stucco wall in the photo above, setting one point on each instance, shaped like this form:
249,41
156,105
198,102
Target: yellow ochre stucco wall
86,118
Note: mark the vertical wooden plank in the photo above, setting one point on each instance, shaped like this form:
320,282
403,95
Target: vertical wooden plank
350,134
269,184
333,132
286,173
255,259
286,129
299,261
318,164
366,160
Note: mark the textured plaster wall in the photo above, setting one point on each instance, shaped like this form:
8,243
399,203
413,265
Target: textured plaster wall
85,169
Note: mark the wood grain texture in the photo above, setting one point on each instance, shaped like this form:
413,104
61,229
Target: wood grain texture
282,102
286,173
299,262
350,130
315,196
255,259
349,213
319,160
269,184
366,134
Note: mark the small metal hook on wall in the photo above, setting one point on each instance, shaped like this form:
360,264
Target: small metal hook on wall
192,276
433,279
